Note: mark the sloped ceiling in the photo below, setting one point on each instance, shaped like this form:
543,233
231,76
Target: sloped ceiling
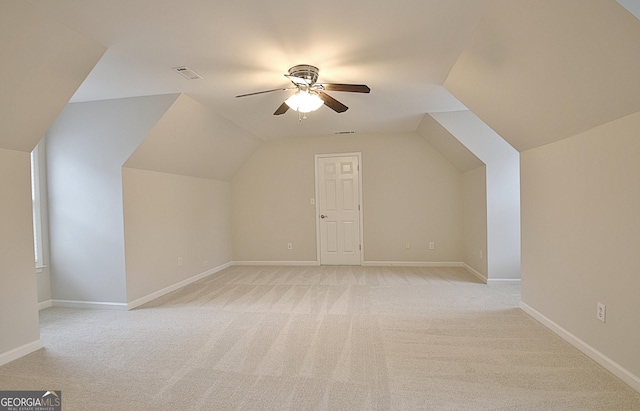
449,146
535,71
191,140
43,63
403,51
540,71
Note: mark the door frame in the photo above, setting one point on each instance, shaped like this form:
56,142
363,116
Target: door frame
317,194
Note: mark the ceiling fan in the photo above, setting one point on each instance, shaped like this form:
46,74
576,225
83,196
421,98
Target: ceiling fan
310,95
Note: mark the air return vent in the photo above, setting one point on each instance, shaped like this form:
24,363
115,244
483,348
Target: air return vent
345,132
187,73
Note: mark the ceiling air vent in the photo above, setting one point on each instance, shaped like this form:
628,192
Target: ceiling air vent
345,132
187,73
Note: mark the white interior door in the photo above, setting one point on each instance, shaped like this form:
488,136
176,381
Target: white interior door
338,188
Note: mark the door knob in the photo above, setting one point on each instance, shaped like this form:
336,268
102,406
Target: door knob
323,216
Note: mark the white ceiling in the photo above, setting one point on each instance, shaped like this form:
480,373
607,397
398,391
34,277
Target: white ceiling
402,50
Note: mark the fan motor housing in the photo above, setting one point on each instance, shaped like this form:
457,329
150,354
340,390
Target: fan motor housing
305,71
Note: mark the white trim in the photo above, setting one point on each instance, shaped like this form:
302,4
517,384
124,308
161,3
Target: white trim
21,351
272,263
512,281
475,272
389,264
361,205
317,194
36,206
412,264
610,365
143,300
89,304
45,304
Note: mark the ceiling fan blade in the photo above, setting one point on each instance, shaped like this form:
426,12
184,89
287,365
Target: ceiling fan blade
262,92
281,110
298,81
352,88
332,103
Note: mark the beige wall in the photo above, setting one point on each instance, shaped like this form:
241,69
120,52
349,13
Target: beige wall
502,189
474,183
192,140
53,62
86,148
581,236
168,216
18,298
410,193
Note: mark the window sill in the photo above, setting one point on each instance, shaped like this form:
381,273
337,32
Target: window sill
39,268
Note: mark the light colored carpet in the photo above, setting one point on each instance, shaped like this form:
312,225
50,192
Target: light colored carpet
307,338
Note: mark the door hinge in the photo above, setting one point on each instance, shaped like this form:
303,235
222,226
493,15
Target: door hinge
360,247
358,207
358,167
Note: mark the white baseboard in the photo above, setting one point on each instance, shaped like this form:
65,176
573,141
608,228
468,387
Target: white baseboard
99,305
610,365
16,353
514,281
364,263
475,272
273,263
143,300
410,264
486,280
390,264
45,304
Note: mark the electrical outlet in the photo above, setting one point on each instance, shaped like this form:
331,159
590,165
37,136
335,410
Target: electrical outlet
407,245
601,314
179,261
432,245
205,263
289,246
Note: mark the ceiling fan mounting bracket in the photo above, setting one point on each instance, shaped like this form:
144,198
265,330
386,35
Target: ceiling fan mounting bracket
305,72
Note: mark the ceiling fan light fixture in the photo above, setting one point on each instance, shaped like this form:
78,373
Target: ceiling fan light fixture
310,95
304,102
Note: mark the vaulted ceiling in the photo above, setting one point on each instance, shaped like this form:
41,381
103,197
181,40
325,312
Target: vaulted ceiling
43,63
403,51
535,71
